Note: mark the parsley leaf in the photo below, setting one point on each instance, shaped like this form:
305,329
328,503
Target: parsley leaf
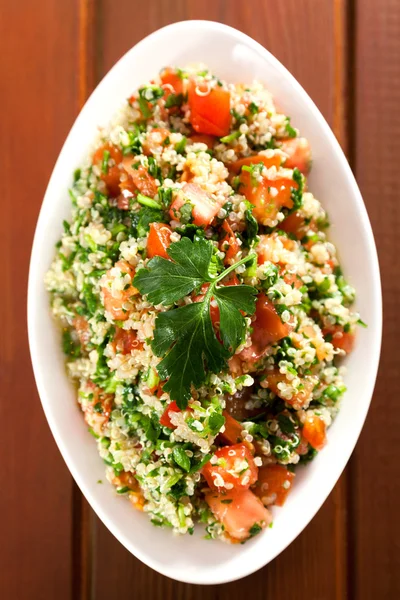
165,282
184,337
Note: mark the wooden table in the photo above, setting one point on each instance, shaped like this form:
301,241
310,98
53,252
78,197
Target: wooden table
346,53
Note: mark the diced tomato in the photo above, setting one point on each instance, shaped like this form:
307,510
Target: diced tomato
235,468
112,175
198,138
236,166
125,340
97,408
159,240
314,431
233,430
170,79
126,479
209,112
267,196
302,448
239,512
116,301
292,279
229,243
236,405
141,178
154,139
296,224
300,398
299,154
82,329
204,208
340,339
268,328
274,484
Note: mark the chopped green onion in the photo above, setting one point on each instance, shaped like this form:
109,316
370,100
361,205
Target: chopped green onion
229,138
146,201
104,162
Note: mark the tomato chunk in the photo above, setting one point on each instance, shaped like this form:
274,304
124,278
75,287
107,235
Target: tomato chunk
268,328
159,240
154,139
340,339
300,398
170,79
140,177
199,138
96,406
233,430
267,196
274,484
241,512
110,174
116,296
165,419
125,340
314,431
299,154
82,329
204,208
209,112
229,243
273,161
297,225
234,468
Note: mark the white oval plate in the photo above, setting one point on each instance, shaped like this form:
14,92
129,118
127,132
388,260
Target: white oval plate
235,57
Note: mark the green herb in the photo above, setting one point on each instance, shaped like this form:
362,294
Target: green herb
123,490
271,274
104,162
181,458
174,100
227,139
77,175
184,337
70,347
149,95
180,146
253,108
200,465
215,422
297,195
165,196
255,172
255,529
142,219
285,423
292,133
238,118
154,169
250,233
146,201
361,323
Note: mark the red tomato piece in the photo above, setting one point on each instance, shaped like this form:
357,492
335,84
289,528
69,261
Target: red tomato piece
159,240
229,243
299,399
115,301
112,176
171,79
267,196
97,408
233,430
235,468
209,112
165,419
340,339
154,139
125,340
296,224
198,138
274,484
241,512
314,431
268,328
82,329
236,166
141,178
204,208
299,154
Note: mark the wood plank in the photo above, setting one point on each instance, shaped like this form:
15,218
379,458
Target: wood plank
375,470
38,99
304,40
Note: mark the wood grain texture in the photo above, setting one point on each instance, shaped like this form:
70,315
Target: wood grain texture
38,100
375,470
304,40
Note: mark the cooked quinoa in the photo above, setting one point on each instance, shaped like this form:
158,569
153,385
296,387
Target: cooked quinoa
203,310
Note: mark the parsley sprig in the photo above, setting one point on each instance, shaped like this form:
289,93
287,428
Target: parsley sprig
184,337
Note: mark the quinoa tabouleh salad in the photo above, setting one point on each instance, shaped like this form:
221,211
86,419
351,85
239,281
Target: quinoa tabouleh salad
203,309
